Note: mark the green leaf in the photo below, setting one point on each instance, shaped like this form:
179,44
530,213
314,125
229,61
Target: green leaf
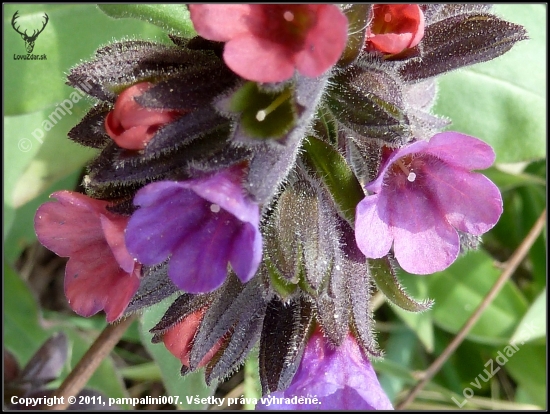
533,324
282,286
326,126
448,376
73,33
387,282
503,101
172,17
534,203
508,182
421,323
252,387
49,146
336,174
522,207
400,349
20,147
190,385
522,396
23,333
148,371
394,369
458,290
528,369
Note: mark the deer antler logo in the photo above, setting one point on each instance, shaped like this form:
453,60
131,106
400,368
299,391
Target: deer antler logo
29,40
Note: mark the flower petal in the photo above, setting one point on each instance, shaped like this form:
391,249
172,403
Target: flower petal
94,282
461,150
246,252
223,22
113,230
391,42
372,232
470,201
259,59
70,224
414,148
225,189
135,138
150,239
324,42
424,242
199,263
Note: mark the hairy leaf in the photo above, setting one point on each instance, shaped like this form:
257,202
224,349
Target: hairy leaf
460,41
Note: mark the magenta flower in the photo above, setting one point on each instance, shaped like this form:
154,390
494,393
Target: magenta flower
131,125
266,42
424,193
337,378
395,27
100,274
202,225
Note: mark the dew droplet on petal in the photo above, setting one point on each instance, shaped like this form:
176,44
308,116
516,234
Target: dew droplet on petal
214,208
288,15
411,177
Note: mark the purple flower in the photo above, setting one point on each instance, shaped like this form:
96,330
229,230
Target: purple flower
424,193
332,378
201,224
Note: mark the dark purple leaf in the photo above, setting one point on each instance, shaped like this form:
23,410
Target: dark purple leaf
460,41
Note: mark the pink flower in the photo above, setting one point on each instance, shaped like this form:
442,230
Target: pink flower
131,125
100,273
425,193
266,42
395,27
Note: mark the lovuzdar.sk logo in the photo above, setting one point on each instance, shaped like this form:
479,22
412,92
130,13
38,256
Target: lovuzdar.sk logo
29,40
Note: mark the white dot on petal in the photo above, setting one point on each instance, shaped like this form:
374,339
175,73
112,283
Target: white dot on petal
288,15
387,17
214,208
411,177
260,115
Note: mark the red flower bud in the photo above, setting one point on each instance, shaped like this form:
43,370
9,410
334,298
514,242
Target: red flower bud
131,125
395,27
179,338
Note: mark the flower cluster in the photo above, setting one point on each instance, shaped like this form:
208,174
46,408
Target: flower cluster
219,176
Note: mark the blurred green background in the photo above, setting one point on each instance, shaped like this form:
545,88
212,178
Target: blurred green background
502,102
